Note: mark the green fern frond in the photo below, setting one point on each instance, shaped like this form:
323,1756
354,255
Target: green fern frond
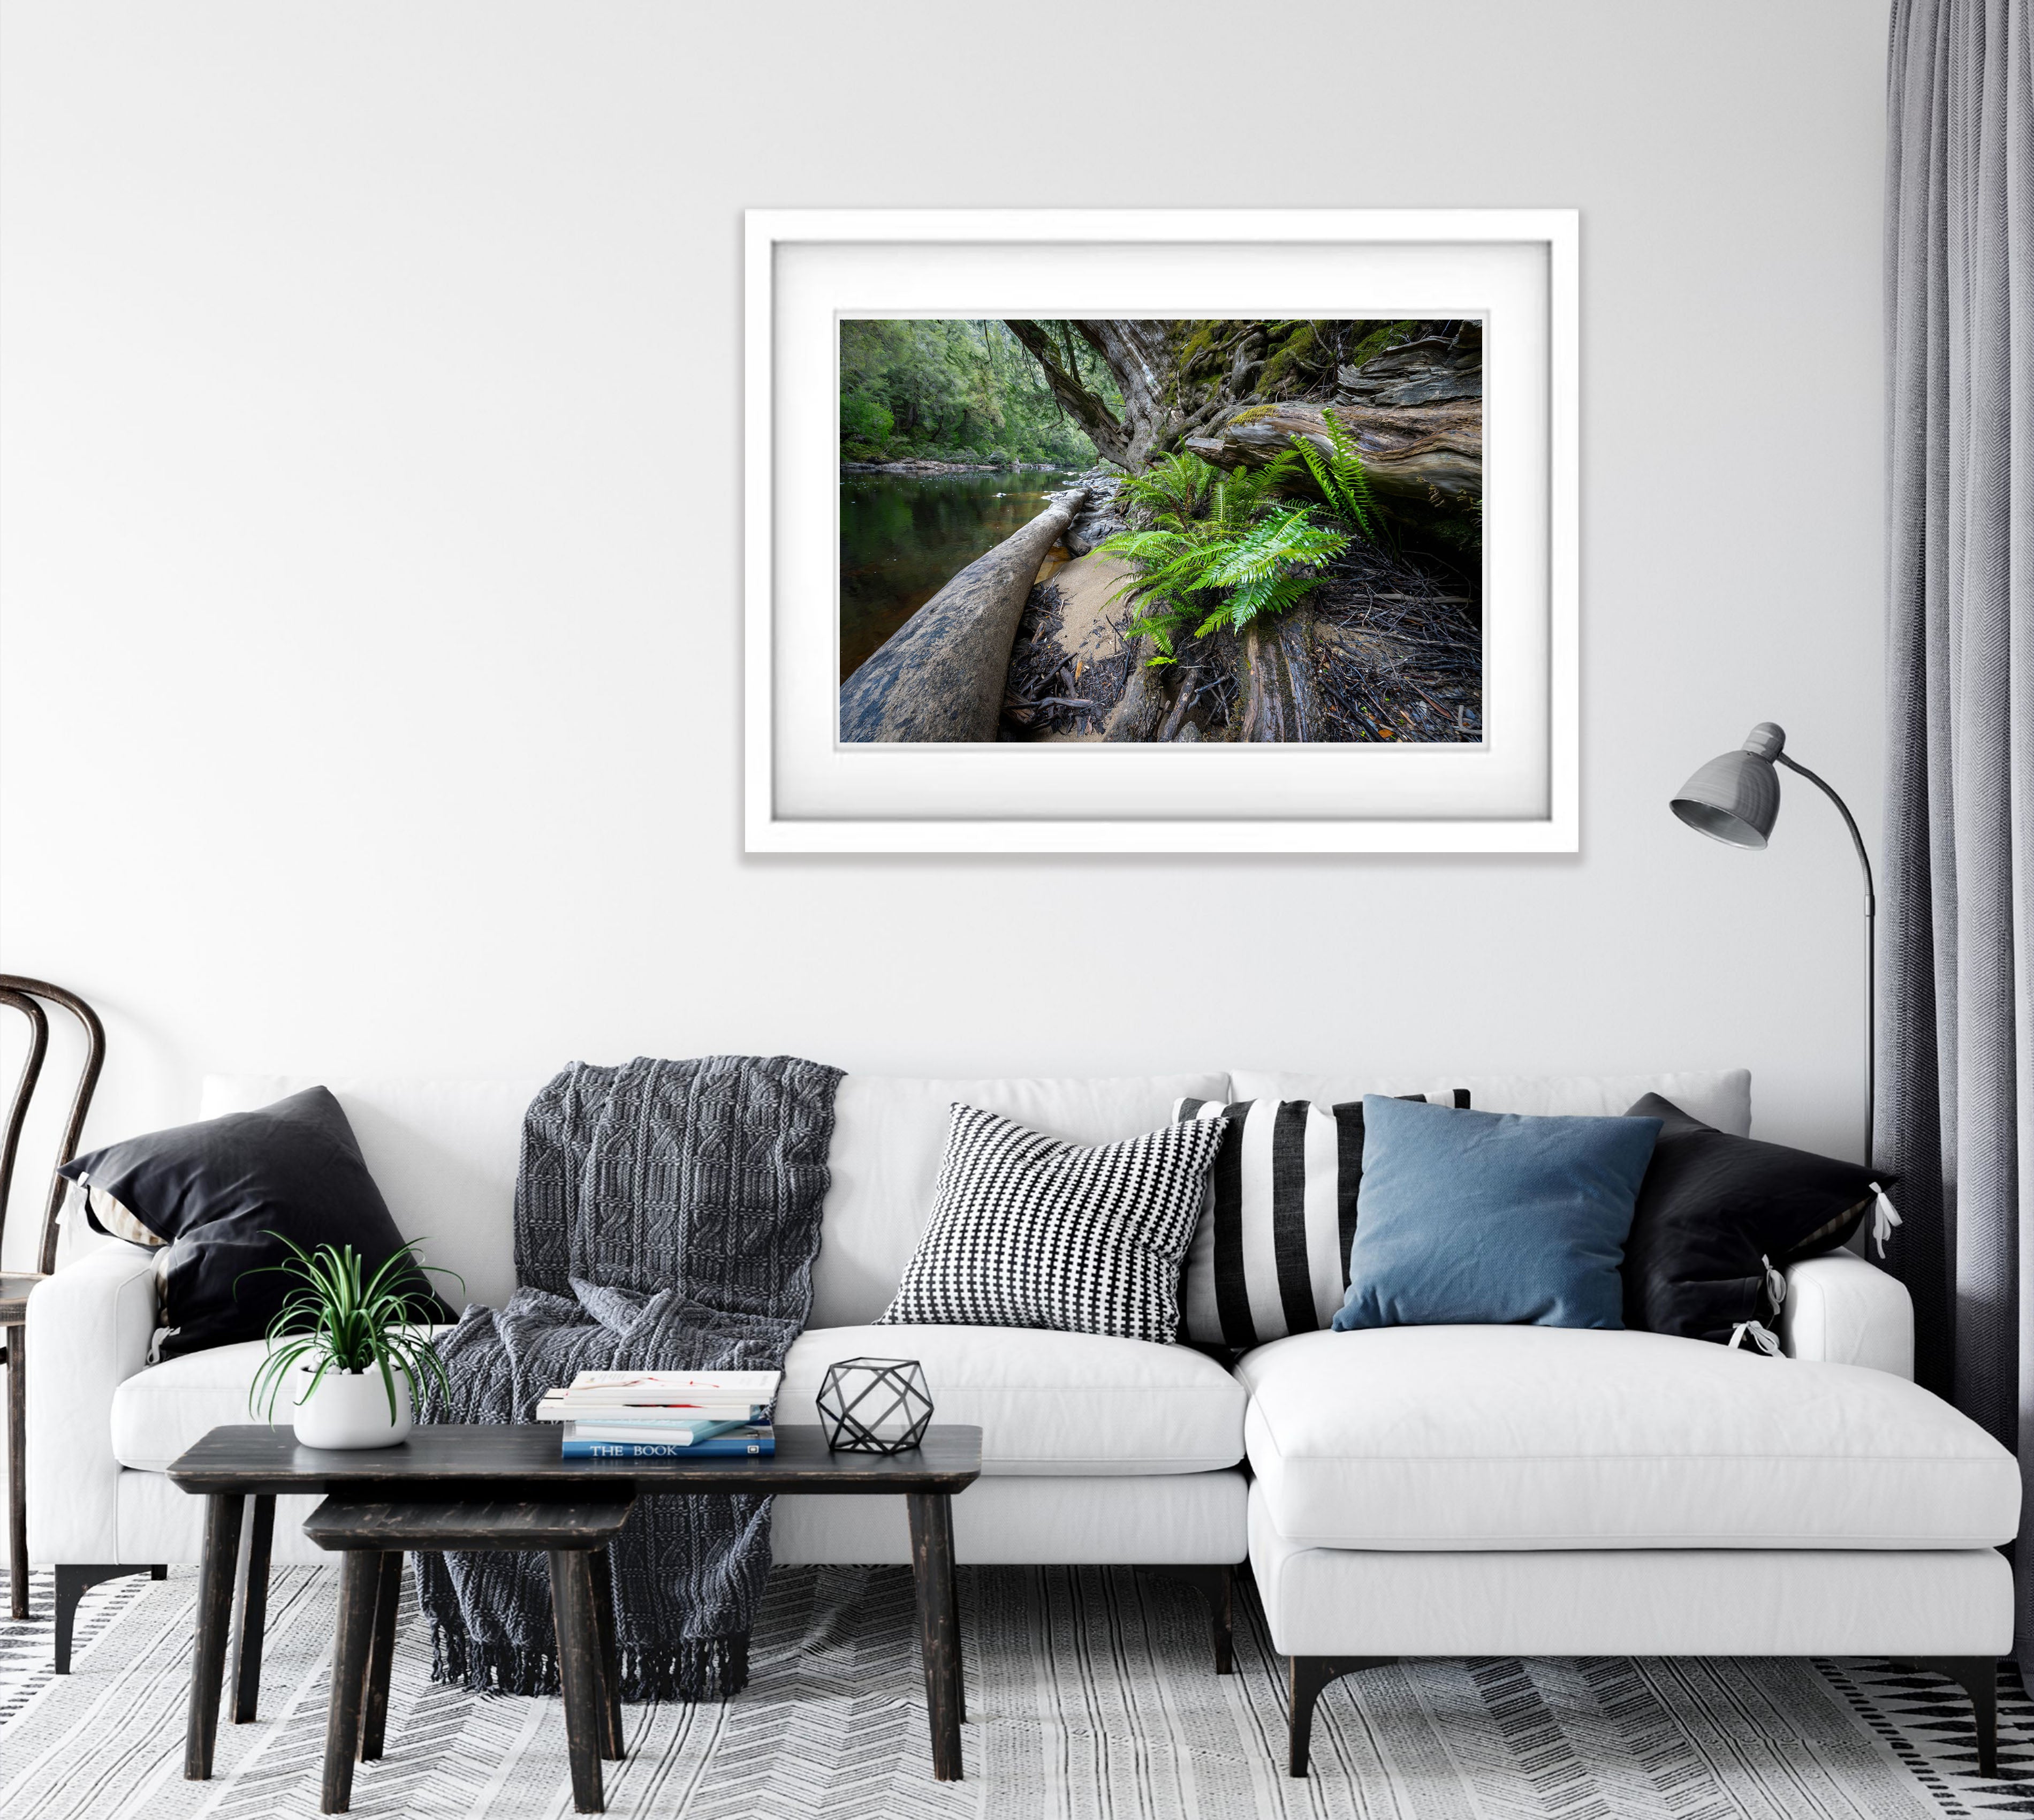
1341,477
1285,537
1272,595
1142,546
1351,476
1176,485
1222,533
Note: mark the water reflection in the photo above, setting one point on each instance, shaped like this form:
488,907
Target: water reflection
903,537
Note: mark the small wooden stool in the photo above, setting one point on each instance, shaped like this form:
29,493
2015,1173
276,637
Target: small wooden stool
374,1537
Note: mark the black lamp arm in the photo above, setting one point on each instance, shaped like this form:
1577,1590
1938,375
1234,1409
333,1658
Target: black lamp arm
1843,809
1871,950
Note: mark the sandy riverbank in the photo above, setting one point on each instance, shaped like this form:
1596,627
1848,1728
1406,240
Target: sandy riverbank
1091,606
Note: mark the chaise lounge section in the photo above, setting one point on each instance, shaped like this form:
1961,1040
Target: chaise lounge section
1555,1491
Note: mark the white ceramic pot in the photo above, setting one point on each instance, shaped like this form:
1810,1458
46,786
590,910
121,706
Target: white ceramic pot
348,1410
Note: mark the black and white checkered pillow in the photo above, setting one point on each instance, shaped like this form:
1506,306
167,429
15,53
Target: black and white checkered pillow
1029,1232
1269,1254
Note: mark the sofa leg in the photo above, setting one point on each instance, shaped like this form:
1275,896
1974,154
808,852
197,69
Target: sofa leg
1307,1675
1977,1677
1217,1585
73,1582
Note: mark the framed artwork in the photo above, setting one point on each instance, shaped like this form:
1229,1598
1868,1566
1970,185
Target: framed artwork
1224,531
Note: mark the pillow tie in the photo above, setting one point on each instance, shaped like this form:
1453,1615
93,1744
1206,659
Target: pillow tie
1763,1338
1885,1216
1776,1285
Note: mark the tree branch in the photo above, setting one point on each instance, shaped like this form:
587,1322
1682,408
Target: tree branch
1088,408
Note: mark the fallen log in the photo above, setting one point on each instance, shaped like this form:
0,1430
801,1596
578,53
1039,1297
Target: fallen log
1412,452
940,675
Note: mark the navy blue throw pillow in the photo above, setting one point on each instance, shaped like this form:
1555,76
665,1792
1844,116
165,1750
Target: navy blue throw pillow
219,1192
1487,1219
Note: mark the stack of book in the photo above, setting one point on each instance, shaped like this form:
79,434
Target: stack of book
664,1415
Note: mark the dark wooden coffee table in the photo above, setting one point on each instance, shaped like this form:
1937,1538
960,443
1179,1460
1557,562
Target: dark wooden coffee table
453,1462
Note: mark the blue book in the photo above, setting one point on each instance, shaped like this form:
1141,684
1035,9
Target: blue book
721,1445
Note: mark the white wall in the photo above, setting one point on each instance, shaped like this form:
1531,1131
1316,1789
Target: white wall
371,559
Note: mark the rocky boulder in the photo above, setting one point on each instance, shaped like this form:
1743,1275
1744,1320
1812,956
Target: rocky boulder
1100,520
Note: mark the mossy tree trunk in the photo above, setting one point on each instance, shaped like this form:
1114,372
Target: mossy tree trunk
1235,393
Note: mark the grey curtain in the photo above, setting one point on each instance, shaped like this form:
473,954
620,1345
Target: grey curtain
1956,1111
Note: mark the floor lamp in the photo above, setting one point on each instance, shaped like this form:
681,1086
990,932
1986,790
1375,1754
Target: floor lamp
1735,799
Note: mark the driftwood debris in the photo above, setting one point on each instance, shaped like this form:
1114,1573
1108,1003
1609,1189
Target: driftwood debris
1053,689
1135,718
940,675
1396,666
1183,699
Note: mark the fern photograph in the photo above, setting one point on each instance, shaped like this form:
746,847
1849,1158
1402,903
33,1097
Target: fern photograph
1181,531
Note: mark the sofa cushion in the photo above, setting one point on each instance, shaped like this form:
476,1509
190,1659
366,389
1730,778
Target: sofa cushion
1719,1097
159,1412
1576,1437
1048,1403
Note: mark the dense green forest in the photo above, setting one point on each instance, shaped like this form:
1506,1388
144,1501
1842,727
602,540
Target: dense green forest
939,390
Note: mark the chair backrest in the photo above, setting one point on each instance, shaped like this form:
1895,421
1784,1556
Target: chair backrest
26,996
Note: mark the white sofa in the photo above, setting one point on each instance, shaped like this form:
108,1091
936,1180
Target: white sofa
1417,1491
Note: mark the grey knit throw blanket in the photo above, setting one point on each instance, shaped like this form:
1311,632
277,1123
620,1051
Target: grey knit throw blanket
667,1214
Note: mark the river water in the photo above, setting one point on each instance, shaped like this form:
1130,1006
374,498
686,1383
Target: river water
903,537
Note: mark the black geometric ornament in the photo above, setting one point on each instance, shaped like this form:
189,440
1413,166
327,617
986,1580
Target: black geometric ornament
875,1405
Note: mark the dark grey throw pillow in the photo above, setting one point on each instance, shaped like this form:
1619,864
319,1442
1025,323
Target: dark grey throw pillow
1719,1217
220,1192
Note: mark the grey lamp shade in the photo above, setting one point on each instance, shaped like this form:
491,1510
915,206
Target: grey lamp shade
1737,797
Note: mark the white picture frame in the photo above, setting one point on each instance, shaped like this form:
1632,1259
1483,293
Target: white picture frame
805,791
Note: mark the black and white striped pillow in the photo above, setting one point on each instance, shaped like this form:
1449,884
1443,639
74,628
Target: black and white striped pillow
1029,1232
1269,1254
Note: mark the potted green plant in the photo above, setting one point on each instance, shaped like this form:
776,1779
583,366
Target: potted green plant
351,1350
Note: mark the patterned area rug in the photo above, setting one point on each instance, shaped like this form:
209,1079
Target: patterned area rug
1089,1695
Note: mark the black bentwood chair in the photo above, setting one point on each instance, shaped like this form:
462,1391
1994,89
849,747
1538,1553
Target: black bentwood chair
26,996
